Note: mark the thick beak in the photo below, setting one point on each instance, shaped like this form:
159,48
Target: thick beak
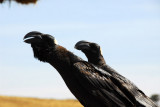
82,45
32,37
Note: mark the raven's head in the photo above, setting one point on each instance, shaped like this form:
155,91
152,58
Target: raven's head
90,49
42,44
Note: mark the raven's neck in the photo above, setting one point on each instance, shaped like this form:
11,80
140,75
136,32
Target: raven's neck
98,60
62,60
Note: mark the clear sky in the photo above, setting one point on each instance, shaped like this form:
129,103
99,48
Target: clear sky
127,31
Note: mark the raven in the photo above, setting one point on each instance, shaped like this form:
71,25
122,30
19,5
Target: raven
94,54
91,85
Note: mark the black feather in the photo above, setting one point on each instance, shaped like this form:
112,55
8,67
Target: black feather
131,91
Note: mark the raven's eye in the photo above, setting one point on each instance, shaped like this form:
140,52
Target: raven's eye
94,46
49,40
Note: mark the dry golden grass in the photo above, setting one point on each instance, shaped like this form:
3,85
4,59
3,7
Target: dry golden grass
35,102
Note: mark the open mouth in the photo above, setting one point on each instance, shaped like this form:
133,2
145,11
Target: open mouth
28,39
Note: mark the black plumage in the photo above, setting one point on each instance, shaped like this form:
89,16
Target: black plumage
134,94
92,86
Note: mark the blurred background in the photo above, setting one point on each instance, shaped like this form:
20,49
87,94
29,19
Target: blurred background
127,31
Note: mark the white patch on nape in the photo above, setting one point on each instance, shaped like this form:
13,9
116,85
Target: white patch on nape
55,41
101,51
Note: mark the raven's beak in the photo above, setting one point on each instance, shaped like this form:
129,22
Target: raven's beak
82,45
32,37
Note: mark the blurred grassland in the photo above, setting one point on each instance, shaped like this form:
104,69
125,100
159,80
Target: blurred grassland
6,101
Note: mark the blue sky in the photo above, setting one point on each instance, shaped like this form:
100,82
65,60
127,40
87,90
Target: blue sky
127,31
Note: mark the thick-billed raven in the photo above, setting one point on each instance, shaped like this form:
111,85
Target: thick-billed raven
94,55
92,86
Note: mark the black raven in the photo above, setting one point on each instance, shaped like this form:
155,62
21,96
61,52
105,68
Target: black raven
92,86
94,55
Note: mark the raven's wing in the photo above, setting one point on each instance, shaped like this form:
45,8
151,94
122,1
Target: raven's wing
99,84
130,90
